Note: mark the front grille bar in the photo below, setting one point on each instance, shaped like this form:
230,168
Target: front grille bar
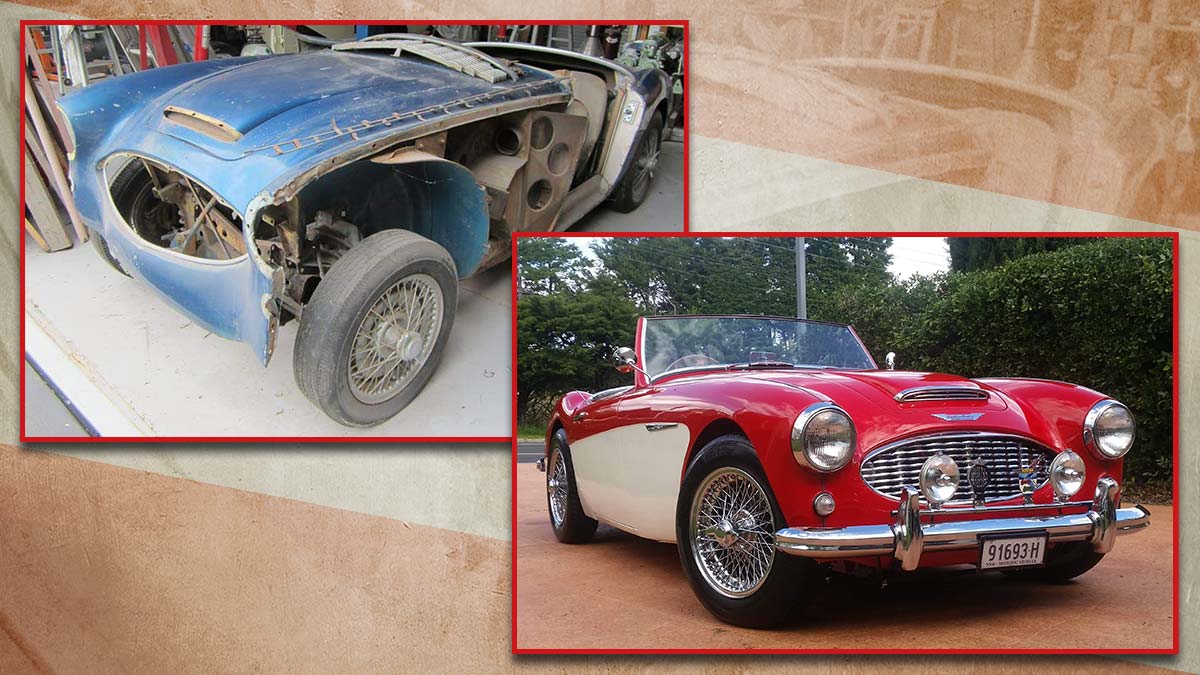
896,466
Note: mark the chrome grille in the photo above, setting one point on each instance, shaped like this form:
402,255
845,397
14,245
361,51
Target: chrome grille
899,465
941,394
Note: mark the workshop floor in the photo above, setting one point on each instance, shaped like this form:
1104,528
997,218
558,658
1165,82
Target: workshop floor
156,373
622,592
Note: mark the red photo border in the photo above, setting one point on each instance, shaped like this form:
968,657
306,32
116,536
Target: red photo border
25,23
1173,236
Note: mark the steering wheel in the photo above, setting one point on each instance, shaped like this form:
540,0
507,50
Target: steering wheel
691,361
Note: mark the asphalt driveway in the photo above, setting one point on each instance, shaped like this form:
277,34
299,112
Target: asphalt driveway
623,592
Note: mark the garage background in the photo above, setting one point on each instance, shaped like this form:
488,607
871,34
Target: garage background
85,375
312,579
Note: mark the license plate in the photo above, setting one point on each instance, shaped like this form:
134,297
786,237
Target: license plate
1020,551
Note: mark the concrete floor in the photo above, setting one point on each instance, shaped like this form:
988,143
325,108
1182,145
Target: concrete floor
153,372
47,415
623,592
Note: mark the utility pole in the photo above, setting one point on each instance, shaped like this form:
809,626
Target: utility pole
801,288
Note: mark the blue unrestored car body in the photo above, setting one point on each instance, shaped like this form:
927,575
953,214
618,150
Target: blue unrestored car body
255,131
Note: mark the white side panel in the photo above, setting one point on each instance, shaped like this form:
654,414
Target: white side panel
629,477
623,136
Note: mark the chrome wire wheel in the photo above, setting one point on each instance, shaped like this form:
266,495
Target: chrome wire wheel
556,488
644,164
732,532
395,338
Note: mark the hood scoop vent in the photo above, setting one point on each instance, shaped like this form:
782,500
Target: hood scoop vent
209,126
941,393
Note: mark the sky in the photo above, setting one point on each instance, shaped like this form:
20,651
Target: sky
918,255
911,256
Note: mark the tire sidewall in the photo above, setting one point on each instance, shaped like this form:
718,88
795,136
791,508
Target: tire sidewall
653,136
576,526
775,599
558,447
345,399
623,201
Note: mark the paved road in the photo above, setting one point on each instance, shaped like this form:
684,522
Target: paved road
624,592
529,452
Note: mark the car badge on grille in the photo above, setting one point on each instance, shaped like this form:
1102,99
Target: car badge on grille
978,477
1027,477
958,417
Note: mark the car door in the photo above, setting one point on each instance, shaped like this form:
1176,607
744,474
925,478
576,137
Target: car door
628,468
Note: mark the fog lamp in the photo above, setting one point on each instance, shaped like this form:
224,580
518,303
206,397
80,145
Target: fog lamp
939,479
823,504
1066,474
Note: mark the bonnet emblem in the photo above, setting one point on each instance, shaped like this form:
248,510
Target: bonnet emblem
958,417
978,477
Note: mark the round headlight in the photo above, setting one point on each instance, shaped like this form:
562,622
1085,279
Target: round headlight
1108,429
938,479
823,437
1067,473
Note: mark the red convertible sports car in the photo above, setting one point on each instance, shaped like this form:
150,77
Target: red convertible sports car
767,448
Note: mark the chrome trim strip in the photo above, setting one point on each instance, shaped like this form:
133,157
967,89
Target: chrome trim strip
951,392
943,511
906,538
660,426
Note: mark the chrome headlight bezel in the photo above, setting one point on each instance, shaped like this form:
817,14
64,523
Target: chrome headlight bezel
802,449
1057,466
1093,438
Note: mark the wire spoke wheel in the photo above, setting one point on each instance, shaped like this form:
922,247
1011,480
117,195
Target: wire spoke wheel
644,165
395,338
556,487
732,531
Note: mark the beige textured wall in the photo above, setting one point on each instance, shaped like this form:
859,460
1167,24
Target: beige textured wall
764,155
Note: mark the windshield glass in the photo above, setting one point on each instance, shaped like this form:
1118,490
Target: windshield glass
672,343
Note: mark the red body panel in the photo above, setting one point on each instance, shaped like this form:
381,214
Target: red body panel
765,403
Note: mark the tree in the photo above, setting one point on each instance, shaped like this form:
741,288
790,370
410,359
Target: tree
737,275
971,254
550,264
565,340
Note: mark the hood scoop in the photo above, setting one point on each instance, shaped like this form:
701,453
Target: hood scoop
209,126
941,393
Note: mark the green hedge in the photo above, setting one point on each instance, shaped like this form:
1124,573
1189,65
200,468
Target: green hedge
1099,315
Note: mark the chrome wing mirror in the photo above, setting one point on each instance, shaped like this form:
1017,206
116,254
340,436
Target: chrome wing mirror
626,361
890,360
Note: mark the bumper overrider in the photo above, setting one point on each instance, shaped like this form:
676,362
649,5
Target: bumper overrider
907,538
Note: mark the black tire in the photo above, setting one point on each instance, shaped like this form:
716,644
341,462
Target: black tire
1063,563
575,527
130,185
133,195
101,247
338,308
778,595
629,194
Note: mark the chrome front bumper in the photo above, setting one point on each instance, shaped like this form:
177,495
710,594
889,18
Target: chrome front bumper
907,538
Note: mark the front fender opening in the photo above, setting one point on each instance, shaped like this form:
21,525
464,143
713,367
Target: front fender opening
437,199
168,209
